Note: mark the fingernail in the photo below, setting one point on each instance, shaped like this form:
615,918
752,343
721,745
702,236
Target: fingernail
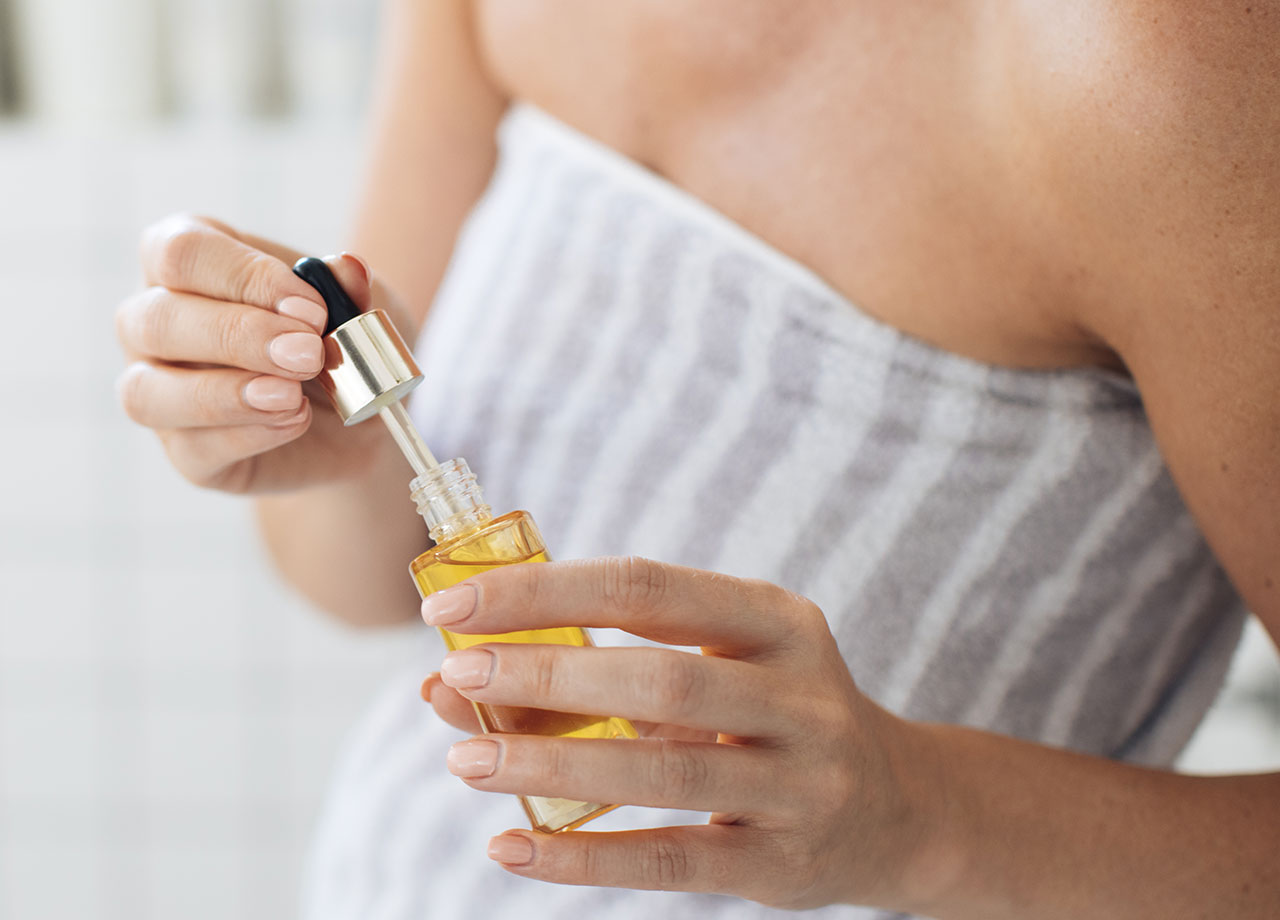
473,759
364,266
468,669
307,311
296,351
511,850
272,394
291,419
453,605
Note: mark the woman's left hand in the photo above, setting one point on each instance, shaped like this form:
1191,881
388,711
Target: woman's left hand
816,794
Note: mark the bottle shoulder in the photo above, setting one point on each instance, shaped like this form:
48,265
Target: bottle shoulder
511,538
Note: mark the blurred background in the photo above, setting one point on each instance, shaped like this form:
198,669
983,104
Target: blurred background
169,712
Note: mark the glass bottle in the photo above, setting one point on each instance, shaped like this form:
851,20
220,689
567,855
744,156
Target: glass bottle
470,540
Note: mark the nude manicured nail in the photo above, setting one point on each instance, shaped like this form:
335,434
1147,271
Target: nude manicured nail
307,311
363,265
473,759
453,605
272,394
296,351
468,669
511,850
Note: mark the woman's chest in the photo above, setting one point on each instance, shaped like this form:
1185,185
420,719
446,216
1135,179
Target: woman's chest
871,142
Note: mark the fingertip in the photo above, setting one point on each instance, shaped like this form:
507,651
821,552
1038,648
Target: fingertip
355,277
360,264
449,705
429,684
298,353
304,310
450,606
512,849
268,393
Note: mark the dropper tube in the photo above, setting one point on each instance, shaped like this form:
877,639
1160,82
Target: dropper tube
407,439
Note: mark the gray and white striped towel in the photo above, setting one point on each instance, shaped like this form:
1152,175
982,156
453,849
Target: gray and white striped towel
995,547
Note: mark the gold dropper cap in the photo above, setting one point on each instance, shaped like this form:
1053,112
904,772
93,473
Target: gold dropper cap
368,368
367,365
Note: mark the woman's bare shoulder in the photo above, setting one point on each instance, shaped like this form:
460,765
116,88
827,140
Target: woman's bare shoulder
1156,125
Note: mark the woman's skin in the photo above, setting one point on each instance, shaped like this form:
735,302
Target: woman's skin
1029,184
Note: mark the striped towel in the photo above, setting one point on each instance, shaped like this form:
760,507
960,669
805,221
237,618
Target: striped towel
995,547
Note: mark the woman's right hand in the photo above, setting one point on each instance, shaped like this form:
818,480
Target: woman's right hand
222,343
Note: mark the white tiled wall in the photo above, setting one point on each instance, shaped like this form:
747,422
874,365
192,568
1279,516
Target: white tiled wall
168,712
107,62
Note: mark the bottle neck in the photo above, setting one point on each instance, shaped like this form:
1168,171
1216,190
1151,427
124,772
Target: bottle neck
449,500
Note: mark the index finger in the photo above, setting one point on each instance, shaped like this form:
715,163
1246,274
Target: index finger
669,603
196,255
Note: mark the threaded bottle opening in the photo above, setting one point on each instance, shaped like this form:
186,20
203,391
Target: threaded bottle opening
449,500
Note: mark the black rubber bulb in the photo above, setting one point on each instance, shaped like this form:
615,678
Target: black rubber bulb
341,307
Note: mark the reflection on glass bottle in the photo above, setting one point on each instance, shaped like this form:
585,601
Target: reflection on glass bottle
469,540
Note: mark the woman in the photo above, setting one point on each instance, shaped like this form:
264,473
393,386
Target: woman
1025,483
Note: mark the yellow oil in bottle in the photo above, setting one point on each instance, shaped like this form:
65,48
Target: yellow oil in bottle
511,540
370,369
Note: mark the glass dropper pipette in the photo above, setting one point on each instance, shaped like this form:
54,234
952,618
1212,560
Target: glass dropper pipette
407,438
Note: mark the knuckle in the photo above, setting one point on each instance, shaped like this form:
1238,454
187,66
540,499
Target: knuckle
172,247
557,764
633,581
525,582
806,615
831,717
830,777
130,390
675,683
588,865
124,319
766,592
144,321
678,771
840,785
545,676
258,279
151,240
798,617
208,400
798,859
670,865
235,335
